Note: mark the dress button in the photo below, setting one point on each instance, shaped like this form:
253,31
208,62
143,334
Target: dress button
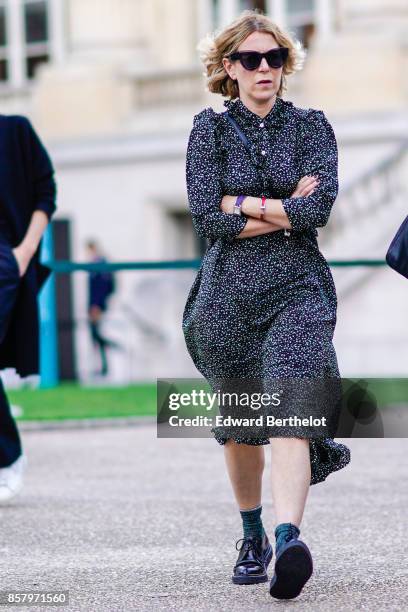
262,124
263,152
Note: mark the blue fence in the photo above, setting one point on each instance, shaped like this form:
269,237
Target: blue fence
49,345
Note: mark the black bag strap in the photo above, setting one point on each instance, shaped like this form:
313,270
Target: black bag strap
238,130
246,144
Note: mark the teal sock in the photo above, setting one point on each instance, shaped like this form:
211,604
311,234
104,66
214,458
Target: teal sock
285,532
252,522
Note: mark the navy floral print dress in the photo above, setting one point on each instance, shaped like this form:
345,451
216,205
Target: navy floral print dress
263,306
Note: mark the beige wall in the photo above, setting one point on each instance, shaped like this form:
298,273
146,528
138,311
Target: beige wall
105,26
373,9
172,31
356,75
163,31
363,66
110,41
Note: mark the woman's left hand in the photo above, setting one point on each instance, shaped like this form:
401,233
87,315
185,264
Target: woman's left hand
227,203
23,258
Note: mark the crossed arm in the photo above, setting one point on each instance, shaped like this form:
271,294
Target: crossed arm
308,207
275,216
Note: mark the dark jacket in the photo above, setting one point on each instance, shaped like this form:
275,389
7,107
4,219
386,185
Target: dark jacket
101,286
26,184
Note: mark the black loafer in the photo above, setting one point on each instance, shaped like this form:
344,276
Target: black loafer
254,557
293,568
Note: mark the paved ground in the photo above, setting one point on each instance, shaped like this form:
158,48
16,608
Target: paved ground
128,522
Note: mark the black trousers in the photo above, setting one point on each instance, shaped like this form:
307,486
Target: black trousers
10,443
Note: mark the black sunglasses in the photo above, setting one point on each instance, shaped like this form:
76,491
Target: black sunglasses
251,60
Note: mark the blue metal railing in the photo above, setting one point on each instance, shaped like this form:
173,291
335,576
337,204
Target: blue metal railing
48,320
177,264
49,344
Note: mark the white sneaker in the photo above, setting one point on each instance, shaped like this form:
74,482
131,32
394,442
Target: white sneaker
11,479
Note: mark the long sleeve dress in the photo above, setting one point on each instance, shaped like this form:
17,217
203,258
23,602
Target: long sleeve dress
263,307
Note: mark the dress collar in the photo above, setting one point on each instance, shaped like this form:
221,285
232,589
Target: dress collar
246,117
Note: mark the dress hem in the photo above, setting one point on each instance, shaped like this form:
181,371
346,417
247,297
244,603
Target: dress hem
326,455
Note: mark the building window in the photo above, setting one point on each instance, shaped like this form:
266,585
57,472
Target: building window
32,62
3,29
36,21
300,6
29,36
253,4
3,44
301,19
36,35
220,11
215,13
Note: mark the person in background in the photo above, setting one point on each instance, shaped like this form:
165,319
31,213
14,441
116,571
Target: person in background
27,202
101,287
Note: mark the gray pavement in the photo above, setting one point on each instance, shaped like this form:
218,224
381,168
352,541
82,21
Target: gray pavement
125,521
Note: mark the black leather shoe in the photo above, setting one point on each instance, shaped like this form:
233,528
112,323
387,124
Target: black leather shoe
293,568
255,554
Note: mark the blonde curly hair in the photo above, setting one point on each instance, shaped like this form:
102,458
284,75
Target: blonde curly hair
214,47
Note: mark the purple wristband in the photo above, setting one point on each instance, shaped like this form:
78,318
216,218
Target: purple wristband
238,204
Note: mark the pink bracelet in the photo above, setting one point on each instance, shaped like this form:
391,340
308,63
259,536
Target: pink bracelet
263,206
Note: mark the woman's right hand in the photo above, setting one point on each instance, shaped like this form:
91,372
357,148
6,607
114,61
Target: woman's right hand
305,186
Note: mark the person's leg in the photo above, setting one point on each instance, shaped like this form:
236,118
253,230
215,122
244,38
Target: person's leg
10,443
291,471
296,349
245,465
245,462
100,342
12,459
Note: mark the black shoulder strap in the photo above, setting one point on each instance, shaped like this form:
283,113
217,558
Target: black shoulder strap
238,130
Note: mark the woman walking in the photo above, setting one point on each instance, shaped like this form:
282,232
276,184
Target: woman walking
263,304
27,202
